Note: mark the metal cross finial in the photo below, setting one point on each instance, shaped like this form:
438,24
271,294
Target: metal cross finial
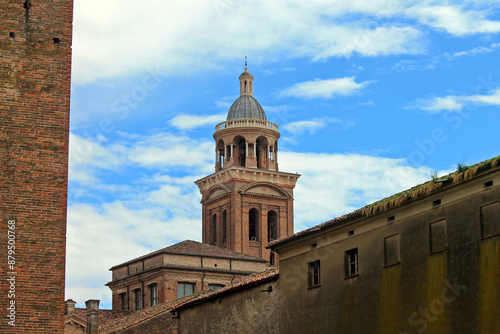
245,62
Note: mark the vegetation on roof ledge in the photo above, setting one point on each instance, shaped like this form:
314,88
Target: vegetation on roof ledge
463,172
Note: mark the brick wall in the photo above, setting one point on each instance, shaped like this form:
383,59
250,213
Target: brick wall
35,38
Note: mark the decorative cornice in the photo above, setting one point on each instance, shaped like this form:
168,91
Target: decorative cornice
245,189
283,179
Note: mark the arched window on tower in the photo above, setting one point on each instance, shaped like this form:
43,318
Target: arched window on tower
253,222
224,226
272,226
240,151
214,229
246,87
261,153
220,153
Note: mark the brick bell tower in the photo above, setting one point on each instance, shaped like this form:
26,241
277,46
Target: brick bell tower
247,202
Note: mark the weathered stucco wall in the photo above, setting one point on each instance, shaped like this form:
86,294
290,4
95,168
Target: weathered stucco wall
244,312
453,290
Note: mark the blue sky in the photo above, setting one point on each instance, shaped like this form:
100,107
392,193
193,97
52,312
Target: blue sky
371,97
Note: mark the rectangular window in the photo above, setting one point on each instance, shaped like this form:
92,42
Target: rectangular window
437,236
351,262
123,301
153,295
138,299
391,250
314,274
215,287
184,289
490,220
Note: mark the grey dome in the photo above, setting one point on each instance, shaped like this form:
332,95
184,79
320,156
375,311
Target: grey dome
246,106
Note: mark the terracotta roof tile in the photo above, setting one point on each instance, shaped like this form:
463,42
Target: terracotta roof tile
105,316
132,319
243,283
398,199
194,248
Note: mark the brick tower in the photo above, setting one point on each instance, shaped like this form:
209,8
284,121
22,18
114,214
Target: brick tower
35,38
247,202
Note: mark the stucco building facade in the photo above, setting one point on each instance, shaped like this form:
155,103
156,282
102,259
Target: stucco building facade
426,260
249,306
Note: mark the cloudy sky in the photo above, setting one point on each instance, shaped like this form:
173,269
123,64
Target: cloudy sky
371,97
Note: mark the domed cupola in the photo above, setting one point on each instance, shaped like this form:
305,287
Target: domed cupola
246,106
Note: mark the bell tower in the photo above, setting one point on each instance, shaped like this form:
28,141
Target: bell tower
247,202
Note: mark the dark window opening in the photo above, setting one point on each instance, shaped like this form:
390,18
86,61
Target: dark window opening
261,153
241,146
253,217
138,299
272,259
437,236
350,233
272,226
436,202
123,301
184,289
351,262
215,287
153,295
12,34
56,40
224,226
391,250
214,229
314,274
391,219
490,220
488,184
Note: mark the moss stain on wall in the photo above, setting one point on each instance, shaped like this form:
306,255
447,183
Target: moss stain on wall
489,290
349,309
438,308
390,301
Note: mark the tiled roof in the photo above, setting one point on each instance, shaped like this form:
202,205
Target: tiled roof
105,316
132,319
241,284
194,248
398,199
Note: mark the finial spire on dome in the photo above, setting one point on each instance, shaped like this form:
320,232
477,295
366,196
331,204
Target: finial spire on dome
246,81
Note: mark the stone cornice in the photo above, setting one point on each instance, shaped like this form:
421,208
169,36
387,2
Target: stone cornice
283,179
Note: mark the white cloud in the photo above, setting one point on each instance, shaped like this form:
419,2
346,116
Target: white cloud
473,52
126,36
450,103
122,231
327,88
165,149
309,126
188,122
457,102
334,184
455,20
